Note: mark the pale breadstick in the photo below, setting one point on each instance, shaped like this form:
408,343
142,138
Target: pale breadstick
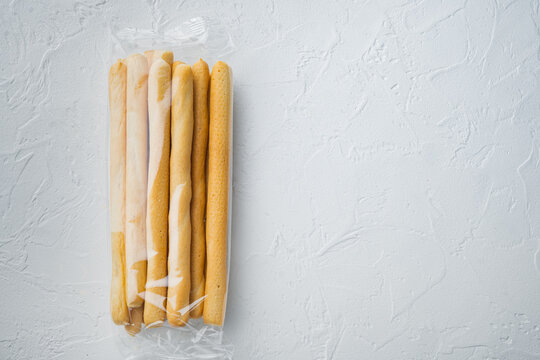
149,54
117,108
201,77
153,55
180,196
159,112
136,320
219,147
136,178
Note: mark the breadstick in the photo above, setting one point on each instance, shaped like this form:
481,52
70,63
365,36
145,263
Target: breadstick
201,77
219,147
153,55
117,105
180,196
149,55
159,113
175,65
136,315
136,178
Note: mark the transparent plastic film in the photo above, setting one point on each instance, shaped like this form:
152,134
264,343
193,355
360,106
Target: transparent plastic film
170,110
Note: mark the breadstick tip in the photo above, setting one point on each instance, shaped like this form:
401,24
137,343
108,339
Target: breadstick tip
181,70
116,67
162,71
176,64
136,55
168,57
220,64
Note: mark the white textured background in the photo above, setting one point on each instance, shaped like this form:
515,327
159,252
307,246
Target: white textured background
386,179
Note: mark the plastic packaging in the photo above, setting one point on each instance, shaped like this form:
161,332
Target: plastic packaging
151,188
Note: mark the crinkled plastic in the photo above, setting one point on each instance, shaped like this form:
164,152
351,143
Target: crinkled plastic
197,37
189,40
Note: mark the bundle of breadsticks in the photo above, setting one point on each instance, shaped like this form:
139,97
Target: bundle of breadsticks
170,146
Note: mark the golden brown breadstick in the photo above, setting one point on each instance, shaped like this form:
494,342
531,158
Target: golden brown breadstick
180,196
219,147
159,113
153,55
201,76
117,108
136,178
136,320
175,64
